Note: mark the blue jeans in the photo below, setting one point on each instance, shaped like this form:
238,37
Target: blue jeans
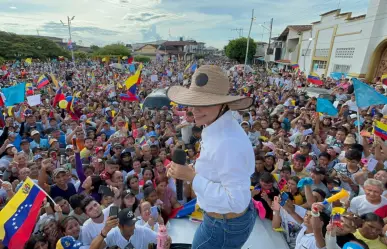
225,234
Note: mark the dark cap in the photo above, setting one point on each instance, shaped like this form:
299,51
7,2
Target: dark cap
24,141
117,145
126,217
127,192
319,170
306,145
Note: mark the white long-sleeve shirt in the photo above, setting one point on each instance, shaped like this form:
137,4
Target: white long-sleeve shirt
226,162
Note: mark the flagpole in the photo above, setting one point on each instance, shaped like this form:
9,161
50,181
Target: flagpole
358,125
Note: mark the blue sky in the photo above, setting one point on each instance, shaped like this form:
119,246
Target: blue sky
102,22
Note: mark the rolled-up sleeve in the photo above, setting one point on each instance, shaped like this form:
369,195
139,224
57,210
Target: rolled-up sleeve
232,162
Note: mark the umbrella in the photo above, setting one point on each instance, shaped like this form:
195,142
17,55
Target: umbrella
117,66
157,99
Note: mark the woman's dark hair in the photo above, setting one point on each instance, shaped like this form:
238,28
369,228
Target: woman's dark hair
129,178
34,239
295,178
372,217
325,219
135,204
161,179
149,168
148,189
358,147
63,222
325,154
76,200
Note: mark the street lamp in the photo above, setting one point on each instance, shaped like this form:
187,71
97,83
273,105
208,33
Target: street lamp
69,27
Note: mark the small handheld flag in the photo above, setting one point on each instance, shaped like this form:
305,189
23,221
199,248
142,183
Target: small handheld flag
42,81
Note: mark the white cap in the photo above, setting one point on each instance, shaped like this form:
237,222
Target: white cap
70,146
34,132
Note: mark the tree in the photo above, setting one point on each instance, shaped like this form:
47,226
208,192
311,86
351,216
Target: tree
14,46
141,58
81,55
94,48
113,49
236,49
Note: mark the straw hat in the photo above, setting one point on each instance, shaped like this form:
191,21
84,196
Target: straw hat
209,87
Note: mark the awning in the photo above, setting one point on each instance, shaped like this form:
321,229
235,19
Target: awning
283,62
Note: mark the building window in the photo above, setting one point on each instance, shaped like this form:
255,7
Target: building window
341,68
344,52
320,64
306,52
322,52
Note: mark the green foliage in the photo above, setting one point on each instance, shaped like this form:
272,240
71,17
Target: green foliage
80,55
94,48
19,46
236,49
2,60
112,49
141,58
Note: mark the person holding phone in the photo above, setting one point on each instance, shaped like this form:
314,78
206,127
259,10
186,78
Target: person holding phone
221,177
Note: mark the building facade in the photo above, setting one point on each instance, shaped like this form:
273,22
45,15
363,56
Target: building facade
338,42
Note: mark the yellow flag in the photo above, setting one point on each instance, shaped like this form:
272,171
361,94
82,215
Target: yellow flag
134,78
54,80
28,61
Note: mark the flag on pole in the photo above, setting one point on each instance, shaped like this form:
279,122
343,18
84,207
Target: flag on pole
127,97
183,211
18,217
28,61
54,80
14,94
42,81
366,96
315,79
325,106
134,79
58,97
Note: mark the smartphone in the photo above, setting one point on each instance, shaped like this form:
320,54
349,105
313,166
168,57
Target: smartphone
113,211
284,198
74,142
282,183
105,190
154,212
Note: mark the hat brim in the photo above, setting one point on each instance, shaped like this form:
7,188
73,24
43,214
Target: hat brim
187,97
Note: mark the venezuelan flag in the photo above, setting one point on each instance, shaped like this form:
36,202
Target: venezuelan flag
183,211
127,97
42,81
315,79
295,66
134,79
58,97
380,130
29,89
384,79
54,80
18,217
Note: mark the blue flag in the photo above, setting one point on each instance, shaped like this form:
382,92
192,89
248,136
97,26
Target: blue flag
15,94
337,76
366,96
325,106
132,68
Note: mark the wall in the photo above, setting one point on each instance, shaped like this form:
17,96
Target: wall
304,59
147,49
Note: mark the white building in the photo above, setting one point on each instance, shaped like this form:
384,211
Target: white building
338,42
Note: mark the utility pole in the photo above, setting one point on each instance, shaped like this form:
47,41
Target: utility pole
271,30
71,41
248,37
37,31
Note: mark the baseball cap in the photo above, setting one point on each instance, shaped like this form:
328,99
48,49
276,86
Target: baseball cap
34,132
293,144
352,245
336,149
9,146
70,146
24,141
68,242
126,217
37,157
128,192
57,171
152,134
53,140
116,145
270,145
98,149
319,170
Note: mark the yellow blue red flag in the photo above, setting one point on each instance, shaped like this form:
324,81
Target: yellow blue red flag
18,217
380,130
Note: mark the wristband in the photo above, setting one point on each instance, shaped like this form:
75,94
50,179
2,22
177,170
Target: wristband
103,236
315,214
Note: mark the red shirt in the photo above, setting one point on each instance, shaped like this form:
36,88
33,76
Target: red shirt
381,212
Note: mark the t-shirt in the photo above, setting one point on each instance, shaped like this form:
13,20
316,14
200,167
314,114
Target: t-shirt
55,191
290,225
140,239
305,241
341,169
90,229
372,244
359,205
186,131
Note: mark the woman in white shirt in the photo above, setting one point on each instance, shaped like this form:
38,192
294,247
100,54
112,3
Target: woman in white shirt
221,178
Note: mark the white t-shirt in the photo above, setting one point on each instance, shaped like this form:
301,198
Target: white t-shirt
290,225
91,229
359,205
186,131
305,241
141,238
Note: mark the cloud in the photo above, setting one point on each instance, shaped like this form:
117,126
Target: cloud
144,17
12,7
151,34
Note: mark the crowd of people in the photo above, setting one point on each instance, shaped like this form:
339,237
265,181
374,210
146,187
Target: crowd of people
109,152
